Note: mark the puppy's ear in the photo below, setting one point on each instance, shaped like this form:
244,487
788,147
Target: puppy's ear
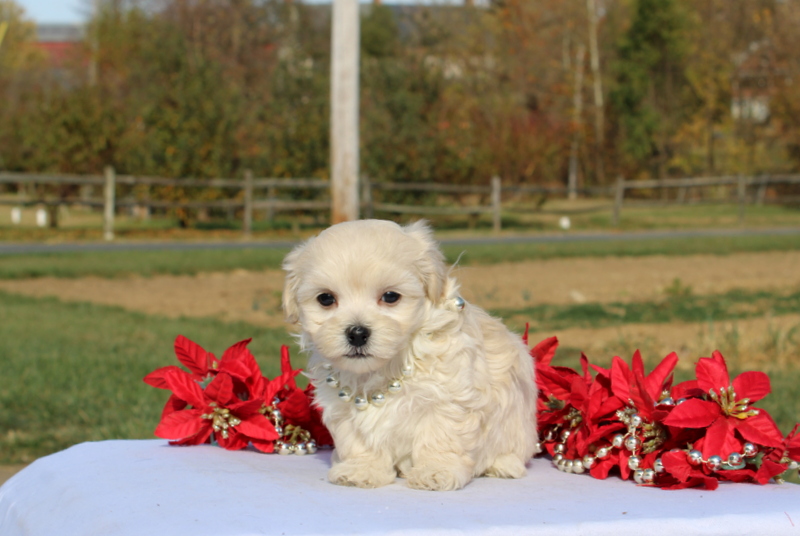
291,265
430,264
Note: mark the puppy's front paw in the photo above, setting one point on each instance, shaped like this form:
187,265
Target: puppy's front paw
439,478
507,466
361,474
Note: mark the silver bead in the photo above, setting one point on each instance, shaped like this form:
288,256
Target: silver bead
602,453
668,401
617,440
559,448
714,463
460,303
632,443
539,446
734,459
577,467
793,464
396,386
648,476
568,465
633,462
695,457
658,466
279,430
680,401
283,448
750,450
378,399
276,415
565,435
345,394
311,446
549,436
276,401
557,458
636,420
361,402
301,449
638,476
327,366
407,370
588,461
332,380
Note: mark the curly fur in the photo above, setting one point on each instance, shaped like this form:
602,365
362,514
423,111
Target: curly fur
469,407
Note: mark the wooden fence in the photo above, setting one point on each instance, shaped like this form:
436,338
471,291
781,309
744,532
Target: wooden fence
244,196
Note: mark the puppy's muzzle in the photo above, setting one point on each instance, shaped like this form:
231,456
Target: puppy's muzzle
357,336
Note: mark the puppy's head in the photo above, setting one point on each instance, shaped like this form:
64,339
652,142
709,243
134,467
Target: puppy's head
360,290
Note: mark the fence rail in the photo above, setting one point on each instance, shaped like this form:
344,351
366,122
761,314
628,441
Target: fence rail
490,196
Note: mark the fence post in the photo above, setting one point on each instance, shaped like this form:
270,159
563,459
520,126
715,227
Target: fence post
247,222
108,203
366,197
619,195
496,200
741,194
271,195
762,190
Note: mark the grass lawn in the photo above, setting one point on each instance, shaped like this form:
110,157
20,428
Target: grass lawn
73,372
122,263
733,305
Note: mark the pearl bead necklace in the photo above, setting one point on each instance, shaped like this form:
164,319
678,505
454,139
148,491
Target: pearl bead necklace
362,402
378,398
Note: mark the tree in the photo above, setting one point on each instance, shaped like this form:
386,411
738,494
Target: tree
650,97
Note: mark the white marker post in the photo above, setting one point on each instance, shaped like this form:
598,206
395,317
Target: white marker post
344,110
16,215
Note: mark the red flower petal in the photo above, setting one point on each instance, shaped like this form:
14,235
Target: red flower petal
720,440
193,356
768,470
693,413
753,385
258,427
156,378
761,430
173,404
658,379
712,373
545,351
620,379
220,390
676,464
184,387
235,351
181,424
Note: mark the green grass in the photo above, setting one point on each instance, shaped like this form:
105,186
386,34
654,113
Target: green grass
733,305
73,372
122,263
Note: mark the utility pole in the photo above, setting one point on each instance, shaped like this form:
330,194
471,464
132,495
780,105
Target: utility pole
344,110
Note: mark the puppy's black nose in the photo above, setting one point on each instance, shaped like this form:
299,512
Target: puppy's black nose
357,335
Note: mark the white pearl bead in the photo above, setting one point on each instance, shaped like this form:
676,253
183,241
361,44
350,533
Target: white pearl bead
396,386
361,403
332,380
378,399
345,394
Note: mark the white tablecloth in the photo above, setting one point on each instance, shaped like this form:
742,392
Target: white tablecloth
147,488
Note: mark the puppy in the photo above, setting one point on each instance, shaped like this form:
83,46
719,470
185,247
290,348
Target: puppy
412,381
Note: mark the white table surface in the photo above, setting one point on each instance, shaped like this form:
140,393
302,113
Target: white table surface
122,488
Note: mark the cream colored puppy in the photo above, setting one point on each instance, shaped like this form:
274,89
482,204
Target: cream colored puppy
410,378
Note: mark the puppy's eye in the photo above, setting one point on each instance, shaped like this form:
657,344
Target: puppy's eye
326,300
390,297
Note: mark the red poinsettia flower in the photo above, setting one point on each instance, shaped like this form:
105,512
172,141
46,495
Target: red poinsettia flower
216,410
727,416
